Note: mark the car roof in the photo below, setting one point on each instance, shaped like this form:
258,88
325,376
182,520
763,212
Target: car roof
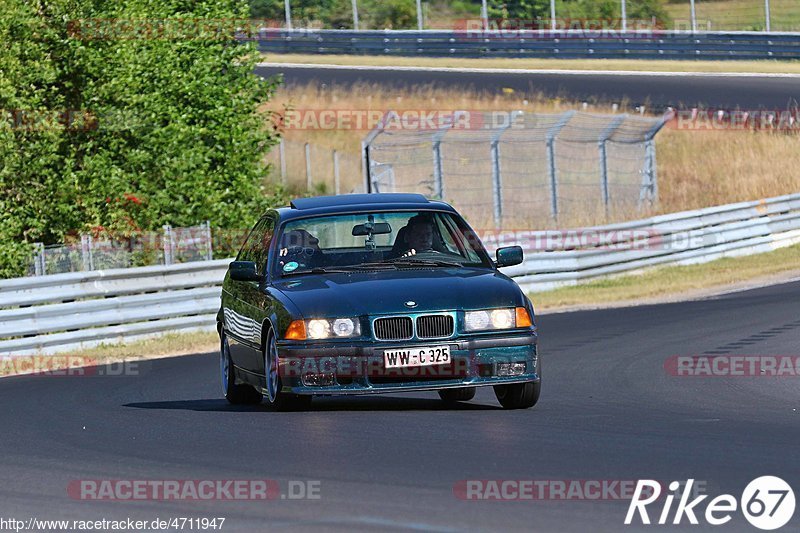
355,203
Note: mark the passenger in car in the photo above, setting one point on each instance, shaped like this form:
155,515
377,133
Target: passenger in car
299,249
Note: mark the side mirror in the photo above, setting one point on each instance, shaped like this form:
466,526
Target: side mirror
244,271
509,256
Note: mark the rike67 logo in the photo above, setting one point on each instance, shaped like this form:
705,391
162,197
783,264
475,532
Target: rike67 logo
767,503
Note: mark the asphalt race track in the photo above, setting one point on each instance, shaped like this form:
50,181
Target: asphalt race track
609,411
656,92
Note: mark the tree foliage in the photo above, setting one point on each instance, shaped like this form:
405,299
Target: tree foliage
125,132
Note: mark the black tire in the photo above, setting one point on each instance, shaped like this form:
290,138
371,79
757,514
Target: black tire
518,395
281,401
461,394
237,394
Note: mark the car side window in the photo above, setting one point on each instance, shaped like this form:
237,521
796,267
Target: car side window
256,247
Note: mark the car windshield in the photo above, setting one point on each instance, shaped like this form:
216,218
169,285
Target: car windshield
381,240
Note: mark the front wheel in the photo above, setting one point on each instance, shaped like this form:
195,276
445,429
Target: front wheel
518,395
282,401
236,394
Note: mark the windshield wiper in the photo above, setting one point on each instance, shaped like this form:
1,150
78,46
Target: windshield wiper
411,262
316,270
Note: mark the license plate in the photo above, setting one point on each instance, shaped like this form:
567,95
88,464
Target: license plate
412,357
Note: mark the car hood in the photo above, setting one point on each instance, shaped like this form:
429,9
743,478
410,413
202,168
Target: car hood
377,293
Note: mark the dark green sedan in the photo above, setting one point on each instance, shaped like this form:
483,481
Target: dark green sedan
373,293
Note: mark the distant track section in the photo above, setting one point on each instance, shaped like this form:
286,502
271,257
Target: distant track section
654,90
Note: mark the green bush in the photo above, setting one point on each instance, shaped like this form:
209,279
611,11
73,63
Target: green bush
173,135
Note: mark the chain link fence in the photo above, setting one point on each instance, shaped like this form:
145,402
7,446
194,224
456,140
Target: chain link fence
313,167
170,246
503,169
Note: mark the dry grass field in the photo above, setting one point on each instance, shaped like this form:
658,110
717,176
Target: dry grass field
695,168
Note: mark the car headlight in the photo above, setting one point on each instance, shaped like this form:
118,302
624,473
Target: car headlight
490,319
323,328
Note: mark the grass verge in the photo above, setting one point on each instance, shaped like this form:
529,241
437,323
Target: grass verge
634,65
673,282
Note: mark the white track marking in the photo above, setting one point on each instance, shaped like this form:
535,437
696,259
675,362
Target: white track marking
534,71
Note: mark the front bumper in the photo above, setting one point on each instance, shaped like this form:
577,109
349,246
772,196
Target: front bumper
341,369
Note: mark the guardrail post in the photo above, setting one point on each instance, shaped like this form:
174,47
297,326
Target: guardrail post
282,156
308,166
39,265
169,245
552,133
86,252
336,185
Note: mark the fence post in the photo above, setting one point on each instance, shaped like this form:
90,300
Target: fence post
420,23
282,156
624,17
86,252
552,133
438,182
693,16
355,14
169,245
484,15
207,234
497,181
336,185
602,145
767,14
308,166
553,15
287,7
436,145
366,160
649,188
39,265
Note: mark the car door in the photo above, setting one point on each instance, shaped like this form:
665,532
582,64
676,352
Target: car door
242,314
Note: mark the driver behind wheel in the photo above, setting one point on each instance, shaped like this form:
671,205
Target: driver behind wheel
418,235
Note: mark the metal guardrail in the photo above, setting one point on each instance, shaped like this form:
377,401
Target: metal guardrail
567,44
554,259
79,309
66,311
